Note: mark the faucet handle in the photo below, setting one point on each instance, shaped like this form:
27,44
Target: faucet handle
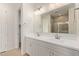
57,36
37,34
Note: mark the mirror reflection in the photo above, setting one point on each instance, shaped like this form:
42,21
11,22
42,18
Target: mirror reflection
60,20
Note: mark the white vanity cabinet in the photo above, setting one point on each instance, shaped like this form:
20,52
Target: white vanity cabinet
36,48
41,48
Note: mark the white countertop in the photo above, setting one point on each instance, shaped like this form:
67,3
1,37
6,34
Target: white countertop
66,42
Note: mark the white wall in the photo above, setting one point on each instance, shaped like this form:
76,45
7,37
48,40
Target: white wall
8,26
27,18
31,23
27,23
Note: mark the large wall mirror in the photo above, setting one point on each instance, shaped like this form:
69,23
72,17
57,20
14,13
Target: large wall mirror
60,20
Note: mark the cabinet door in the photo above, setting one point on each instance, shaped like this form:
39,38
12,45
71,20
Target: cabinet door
34,47
31,47
51,52
39,50
43,51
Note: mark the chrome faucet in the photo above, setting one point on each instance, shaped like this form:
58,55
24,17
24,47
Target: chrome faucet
57,36
37,34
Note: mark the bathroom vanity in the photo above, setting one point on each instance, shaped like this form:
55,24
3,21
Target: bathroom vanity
62,24
49,46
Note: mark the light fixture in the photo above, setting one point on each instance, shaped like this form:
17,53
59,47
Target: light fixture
39,11
51,6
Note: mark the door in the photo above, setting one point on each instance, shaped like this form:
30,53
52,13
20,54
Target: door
3,37
8,27
3,33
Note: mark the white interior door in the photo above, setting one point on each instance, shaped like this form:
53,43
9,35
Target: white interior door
8,27
3,34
